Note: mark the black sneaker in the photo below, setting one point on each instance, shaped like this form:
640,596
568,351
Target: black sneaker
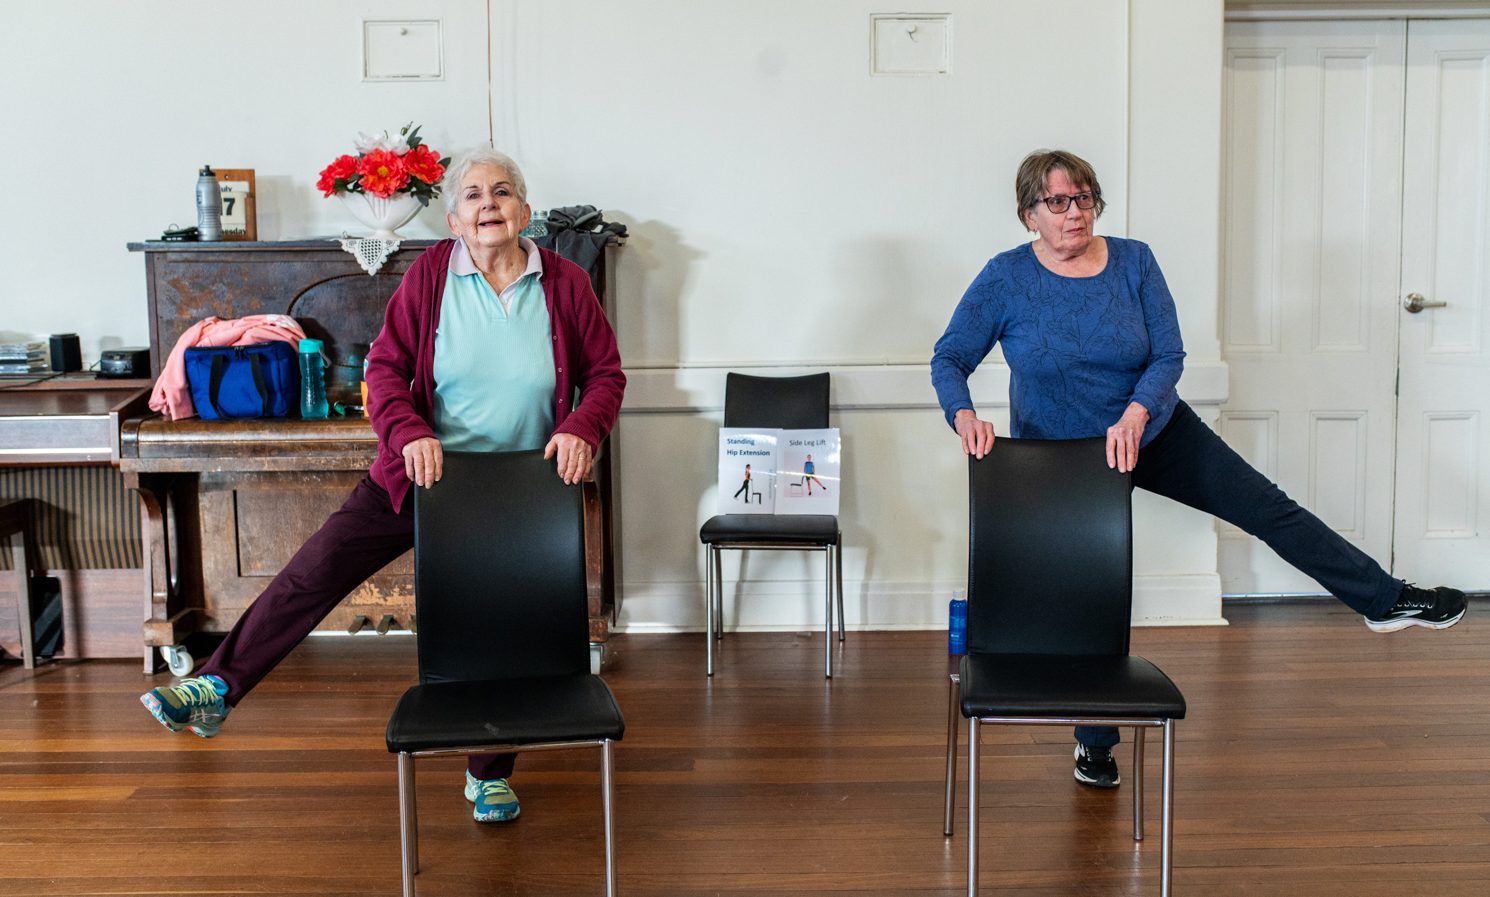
1439,608
1096,767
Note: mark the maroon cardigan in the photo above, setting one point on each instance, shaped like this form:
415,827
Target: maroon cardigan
401,362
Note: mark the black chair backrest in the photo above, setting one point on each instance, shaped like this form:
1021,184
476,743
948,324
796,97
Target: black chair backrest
790,403
499,570
1050,550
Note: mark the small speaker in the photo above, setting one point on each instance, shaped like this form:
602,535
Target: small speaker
67,354
132,362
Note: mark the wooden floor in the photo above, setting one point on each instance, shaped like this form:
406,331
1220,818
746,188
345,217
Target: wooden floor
1319,758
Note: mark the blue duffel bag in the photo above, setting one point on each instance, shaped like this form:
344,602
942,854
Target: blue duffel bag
257,380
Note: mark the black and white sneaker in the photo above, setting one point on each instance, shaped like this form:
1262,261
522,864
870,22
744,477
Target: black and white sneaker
1096,768
1437,608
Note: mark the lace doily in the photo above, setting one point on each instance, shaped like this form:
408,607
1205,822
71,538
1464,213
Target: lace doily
370,253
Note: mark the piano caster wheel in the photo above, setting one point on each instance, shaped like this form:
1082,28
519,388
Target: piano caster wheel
178,660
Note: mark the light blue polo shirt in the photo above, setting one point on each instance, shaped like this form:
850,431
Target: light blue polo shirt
494,360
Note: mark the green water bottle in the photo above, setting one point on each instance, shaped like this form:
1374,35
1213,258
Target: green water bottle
313,405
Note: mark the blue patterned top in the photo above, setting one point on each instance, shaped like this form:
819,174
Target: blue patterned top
1080,349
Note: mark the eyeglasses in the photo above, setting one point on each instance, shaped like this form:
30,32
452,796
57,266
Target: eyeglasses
1060,203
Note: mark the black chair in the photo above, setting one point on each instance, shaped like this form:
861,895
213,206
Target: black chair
504,649
1050,596
789,403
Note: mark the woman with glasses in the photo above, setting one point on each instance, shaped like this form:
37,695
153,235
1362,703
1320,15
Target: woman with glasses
1089,332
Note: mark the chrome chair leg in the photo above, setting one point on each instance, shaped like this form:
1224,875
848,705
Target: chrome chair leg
954,699
607,801
718,593
1138,739
408,822
828,612
972,806
1167,850
838,561
709,585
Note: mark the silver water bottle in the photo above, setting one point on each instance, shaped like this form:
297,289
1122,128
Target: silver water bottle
209,205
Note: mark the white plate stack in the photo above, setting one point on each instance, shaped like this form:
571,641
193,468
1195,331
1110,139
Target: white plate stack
23,358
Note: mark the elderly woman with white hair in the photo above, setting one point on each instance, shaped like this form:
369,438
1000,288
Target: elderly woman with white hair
484,346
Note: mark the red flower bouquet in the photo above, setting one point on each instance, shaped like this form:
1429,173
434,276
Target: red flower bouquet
385,166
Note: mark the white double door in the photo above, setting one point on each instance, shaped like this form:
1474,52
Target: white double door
1357,175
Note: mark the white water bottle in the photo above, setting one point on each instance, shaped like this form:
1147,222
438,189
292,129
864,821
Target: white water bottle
209,205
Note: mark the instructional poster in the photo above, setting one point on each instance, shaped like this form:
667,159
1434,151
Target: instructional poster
807,472
747,471
765,471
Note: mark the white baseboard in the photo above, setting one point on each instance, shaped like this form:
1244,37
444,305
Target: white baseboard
1193,600
793,606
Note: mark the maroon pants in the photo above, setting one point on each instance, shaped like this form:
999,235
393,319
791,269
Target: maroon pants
361,538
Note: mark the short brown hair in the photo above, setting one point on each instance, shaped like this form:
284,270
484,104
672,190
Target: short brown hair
1029,183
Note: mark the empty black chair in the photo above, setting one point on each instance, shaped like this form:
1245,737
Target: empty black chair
788,403
504,649
1050,596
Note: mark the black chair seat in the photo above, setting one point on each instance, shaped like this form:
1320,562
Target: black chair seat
804,529
1052,685
509,711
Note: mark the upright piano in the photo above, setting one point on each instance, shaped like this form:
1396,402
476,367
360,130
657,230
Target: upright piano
226,504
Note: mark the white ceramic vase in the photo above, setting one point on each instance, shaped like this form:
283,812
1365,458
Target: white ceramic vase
384,216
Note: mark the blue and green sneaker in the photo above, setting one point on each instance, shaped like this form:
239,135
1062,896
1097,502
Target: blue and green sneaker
196,703
494,799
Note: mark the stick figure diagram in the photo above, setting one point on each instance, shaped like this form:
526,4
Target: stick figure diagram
809,476
745,488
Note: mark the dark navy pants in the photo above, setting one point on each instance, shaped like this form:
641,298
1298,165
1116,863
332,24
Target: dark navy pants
1189,463
362,537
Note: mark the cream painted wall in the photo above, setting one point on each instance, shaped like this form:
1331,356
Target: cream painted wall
114,107
788,211
788,205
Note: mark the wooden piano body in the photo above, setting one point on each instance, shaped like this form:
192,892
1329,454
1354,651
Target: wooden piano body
226,504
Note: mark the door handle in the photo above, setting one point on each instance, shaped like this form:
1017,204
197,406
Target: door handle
1416,303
